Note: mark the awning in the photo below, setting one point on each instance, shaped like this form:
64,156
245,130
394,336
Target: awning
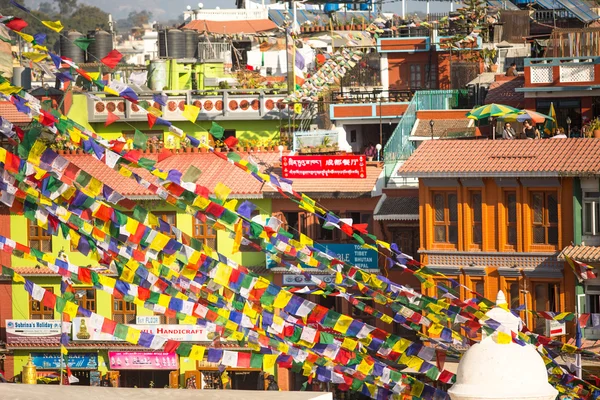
397,209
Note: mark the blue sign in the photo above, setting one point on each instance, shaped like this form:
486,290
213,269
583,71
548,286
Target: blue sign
353,254
76,360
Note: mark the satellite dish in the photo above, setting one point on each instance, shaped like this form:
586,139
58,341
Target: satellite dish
200,5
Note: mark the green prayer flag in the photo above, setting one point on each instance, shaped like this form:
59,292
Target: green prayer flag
256,229
358,238
217,130
83,43
229,217
36,253
235,157
191,175
356,385
153,297
196,244
296,335
326,338
256,360
140,141
83,178
7,272
184,349
433,373
267,299
146,163
121,331
29,139
139,214
330,319
7,40
60,304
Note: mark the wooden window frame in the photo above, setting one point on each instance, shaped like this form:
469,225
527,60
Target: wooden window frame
474,224
472,282
446,223
37,308
125,312
41,235
164,215
545,224
505,284
84,301
559,300
208,232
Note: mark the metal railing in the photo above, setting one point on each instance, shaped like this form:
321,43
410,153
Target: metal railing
399,147
213,51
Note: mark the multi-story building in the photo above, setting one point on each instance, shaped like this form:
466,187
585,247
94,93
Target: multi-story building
494,215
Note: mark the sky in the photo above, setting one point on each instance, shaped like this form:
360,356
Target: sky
163,10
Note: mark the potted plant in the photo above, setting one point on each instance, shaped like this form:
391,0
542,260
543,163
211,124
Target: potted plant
489,55
593,129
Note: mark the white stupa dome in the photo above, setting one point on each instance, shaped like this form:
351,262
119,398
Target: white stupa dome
490,370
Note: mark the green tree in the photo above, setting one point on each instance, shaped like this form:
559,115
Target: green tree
47,8
66,7
87,18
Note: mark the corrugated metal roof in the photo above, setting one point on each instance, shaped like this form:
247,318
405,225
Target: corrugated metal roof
502,4
580,9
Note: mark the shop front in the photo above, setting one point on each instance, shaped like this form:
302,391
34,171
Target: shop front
143,369
83,366
210,376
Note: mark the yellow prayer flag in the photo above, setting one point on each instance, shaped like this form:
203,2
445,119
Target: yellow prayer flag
26,37
154,111
197,352
305,240
34,56
36,152
237,240
282,299
40,48
63,350
307,369
56,26
8,89
18,278
504,338
222,191
417,388
110,91
160,241
342,324
364,367
269,363
349,344
71,309
133,335
223,274
191,112
383,244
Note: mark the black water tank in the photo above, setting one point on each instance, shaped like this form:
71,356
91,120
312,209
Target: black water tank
69,49
100,46
162,43
191,43
175,43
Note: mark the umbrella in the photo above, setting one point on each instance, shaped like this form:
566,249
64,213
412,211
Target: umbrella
490,110
527,115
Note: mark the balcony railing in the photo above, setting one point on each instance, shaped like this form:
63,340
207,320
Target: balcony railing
567,70
213,51
221,104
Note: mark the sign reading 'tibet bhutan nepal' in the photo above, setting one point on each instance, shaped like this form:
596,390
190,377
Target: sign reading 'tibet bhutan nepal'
349,166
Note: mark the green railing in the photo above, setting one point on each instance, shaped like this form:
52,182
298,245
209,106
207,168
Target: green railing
399,146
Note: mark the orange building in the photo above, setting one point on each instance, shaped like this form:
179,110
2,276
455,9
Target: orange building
494,215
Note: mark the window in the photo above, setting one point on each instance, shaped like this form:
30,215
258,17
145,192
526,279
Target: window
204,232
510,202
123,312
86,298
514,290
293,222
39,238
170,217
39,311
445,219
592,293
546,298
544,209
591,213
415,76
361,218
324,234
431,76
476,217
168,319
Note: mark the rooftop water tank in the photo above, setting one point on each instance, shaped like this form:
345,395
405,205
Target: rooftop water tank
100,46
69,49
175,43
191,43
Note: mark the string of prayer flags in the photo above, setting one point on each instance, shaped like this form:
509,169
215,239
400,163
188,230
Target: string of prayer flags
140,140
582,271
111,118
83,43
111,60
15,24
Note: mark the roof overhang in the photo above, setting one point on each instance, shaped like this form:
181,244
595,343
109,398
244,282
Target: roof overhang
396,217
503,174
556,88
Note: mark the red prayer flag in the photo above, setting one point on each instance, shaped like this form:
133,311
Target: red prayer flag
164,154
117,146
231,141
243,359
84,275
347,229
171,346
151,120
112,59
111,118
249,67
583,320
16,24
49,300
108,326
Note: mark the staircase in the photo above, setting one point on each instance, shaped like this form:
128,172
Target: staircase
399,147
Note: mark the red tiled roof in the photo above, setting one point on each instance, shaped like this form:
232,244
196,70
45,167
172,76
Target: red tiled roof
232,27
213,168
581,253
444,127
514,158
503,92
43,271
9,111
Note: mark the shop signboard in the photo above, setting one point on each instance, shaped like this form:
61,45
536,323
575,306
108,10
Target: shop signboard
354,254
142,360
84,331
348,167
147,319
75,360
32,331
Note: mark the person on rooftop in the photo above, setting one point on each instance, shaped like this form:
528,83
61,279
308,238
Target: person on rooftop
508,132
512,70
530,131
370,151
560,134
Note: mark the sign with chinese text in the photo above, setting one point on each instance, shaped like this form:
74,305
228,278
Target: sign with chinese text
83,331
348,166
76,360
142,360
33,331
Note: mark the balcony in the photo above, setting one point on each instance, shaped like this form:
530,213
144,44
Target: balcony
559,74
214,105
361,103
